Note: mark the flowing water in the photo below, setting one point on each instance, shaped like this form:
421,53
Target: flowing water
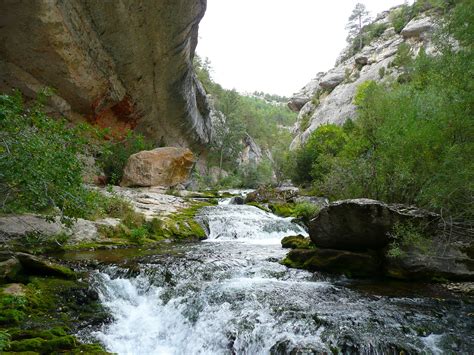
229,295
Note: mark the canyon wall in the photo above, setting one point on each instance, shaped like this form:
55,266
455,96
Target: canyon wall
124,64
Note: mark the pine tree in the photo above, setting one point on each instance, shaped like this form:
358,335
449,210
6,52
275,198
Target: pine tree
358,19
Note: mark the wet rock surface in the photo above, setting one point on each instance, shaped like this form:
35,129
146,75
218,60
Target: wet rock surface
355,264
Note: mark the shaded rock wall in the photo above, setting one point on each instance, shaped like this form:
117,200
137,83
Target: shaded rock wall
121,64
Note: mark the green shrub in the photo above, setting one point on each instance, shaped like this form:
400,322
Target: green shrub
39,166
408,236
400,17
4,340
116,153
254,175
381,72
403,56
306,120
325,140
305,211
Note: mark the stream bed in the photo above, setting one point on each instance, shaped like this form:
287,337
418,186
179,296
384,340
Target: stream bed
229,295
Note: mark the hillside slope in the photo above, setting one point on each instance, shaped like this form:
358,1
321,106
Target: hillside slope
328,98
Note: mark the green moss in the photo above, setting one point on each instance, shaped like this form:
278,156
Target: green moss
304,211
296,242
12,309
42,321
183,226
259,205
283,209
334,261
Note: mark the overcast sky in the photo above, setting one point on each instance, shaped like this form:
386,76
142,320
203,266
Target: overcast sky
275,46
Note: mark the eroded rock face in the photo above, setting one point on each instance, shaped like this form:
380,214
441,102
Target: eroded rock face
362,224
166,167
417,27
124,65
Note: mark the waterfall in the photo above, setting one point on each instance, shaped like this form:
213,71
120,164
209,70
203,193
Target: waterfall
229,295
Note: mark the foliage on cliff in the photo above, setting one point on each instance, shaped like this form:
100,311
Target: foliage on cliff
412,142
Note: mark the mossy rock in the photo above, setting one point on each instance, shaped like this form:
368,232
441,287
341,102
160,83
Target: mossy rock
43,320
296,242
259,205
38,266
345,262
182,225
283,209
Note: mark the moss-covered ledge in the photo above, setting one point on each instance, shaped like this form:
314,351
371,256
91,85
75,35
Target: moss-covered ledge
41,316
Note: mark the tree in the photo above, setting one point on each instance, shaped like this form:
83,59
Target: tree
358,19
228,130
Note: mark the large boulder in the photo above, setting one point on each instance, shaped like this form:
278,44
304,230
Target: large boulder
418,27
39,266
332,79
21,226
266,194
362,224
165,167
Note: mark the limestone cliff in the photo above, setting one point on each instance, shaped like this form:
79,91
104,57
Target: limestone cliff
120,64
328,98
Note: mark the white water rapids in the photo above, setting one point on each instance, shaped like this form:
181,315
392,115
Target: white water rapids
229,295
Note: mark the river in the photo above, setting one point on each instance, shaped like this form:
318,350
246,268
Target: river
229,295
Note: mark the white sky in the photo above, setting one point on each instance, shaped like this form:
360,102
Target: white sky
275,46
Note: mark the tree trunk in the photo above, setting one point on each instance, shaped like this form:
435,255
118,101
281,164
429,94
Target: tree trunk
220,163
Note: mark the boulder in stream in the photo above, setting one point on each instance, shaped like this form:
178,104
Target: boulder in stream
362,224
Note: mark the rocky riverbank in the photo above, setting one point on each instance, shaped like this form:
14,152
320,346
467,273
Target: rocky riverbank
45,293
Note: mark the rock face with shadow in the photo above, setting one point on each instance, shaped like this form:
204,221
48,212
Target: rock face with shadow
122,64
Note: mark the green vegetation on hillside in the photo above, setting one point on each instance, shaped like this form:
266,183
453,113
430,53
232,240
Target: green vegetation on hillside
362,33
264,117
413,139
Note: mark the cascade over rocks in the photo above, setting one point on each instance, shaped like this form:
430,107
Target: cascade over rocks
165,167
361,224
125,65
